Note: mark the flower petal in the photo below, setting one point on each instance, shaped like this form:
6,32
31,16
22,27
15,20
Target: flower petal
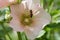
42,15
36,1
6,3
16,11
29,3
41,18
40,21
33,31
15,24
30,35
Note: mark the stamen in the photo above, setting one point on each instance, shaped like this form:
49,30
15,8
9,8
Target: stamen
31,13
25,4
26,19
36,11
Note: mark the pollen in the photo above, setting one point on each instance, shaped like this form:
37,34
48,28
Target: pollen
26,18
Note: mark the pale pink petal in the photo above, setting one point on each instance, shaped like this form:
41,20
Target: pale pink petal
30,35
40,21
32,4
42,15
4,3
36,1
29,3
16,11
33,31
15,24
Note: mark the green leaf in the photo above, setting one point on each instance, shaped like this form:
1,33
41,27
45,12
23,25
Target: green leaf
2,15
55,16
57,35
41,33
56,4
54,26
13,35
3,11
2,33
22,36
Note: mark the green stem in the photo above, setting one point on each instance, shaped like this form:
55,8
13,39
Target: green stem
19,35
51,6
6,31
4,38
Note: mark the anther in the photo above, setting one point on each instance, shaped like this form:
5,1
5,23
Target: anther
31,13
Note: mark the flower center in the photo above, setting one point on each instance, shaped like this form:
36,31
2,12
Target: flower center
26,18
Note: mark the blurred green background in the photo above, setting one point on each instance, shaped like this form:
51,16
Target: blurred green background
50,32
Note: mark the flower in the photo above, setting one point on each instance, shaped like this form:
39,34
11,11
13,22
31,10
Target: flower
30,17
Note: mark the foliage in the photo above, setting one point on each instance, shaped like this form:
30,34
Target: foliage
50,32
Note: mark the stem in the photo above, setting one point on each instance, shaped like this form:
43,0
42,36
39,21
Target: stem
50,8
4,38
19,35
6,31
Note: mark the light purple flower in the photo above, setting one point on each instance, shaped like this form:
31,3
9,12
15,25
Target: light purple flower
30,17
